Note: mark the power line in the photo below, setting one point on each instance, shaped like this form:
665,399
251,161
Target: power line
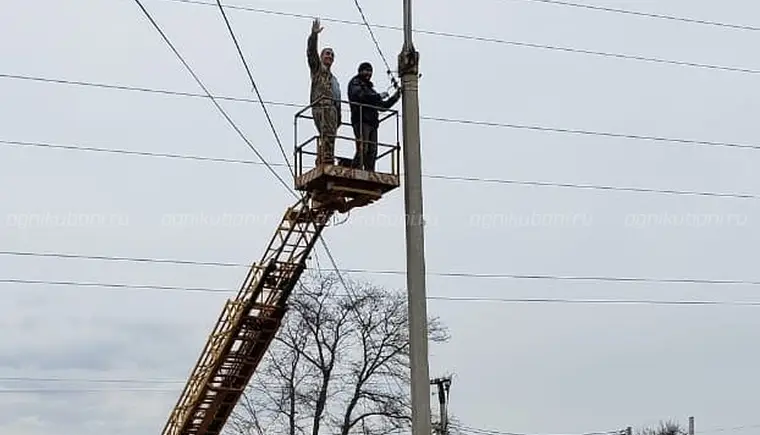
391,272
593,187
208,94
123,381
481,123
496,276
730,429
255,88
367,271
83,390
435,298
530,183
595,301
472,275
135,153
493,40
88,380
122,387
114,285
593,133
499,432
139,89
645,14
119,258
377,45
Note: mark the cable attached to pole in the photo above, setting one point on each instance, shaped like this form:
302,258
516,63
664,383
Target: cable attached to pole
389,71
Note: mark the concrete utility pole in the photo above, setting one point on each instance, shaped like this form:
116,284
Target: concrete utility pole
691,425
444,384
408,67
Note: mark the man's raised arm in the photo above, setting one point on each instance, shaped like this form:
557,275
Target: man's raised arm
311,46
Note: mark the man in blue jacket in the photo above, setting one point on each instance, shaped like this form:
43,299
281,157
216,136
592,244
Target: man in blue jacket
364,119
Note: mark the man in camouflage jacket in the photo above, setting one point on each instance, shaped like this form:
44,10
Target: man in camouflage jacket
325,96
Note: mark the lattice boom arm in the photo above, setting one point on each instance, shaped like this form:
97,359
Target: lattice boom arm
246,327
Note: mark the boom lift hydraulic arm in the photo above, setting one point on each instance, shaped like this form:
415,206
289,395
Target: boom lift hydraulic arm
249,322
246,326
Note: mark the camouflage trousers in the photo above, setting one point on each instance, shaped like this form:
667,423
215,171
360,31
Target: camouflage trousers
326,120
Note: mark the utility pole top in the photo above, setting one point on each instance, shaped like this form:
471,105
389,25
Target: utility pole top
408,62
409,58
408,44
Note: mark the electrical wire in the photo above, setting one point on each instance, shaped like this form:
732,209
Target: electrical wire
730,429
122,381
255,88
89,380
593,133
390,272
139,89
456,178
423,117
493,40
499,432
496,276
377,45
644,14
72,389
208,94
82,390
432,298
481,123
593,187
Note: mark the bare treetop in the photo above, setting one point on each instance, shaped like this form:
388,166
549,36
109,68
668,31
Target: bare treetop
340,364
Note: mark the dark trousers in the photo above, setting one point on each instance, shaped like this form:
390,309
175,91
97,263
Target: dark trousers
366,146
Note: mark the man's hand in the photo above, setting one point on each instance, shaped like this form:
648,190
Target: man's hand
315,27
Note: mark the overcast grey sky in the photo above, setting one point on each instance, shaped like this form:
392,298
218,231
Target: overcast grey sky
528,368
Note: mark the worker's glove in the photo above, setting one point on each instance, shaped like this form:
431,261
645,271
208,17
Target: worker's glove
384,95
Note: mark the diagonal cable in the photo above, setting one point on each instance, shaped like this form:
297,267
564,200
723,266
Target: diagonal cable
219,107
274,130
377,44
255,88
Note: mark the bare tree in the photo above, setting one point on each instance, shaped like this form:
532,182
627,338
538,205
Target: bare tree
669,427
339,364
